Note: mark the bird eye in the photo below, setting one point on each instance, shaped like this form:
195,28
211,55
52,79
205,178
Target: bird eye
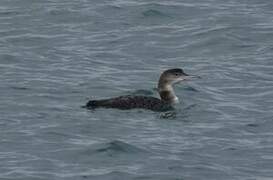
176,74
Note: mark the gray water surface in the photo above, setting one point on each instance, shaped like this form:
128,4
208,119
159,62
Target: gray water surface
55,55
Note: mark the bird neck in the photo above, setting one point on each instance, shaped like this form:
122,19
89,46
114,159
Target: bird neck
166,93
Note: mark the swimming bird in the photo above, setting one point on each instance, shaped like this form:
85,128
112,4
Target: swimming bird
165,89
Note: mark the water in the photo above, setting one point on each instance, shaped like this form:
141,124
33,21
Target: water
55,55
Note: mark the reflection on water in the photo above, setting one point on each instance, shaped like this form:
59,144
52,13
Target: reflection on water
54,56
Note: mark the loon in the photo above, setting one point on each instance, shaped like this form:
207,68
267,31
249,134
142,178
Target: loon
166,102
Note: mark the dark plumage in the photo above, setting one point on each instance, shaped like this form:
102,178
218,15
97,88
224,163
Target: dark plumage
165,88
131,102
175,71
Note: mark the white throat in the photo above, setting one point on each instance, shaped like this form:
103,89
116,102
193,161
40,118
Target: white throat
167,93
